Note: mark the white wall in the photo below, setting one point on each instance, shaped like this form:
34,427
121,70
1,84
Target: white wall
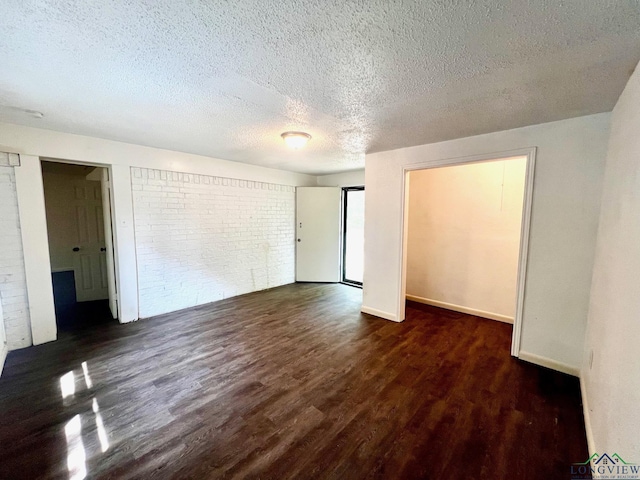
354,178
200,238
13,284
464,237
32,143
566,200
3,340
3,336
611,387
62,221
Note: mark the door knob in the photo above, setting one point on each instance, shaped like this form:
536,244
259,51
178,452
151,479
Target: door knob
103,249
299,240
76,249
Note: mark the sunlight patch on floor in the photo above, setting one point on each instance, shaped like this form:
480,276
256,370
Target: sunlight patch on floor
102,434
76,453
87,378
67,385
76,456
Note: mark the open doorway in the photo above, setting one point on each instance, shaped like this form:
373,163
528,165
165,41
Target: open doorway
464,232
353,236
78,211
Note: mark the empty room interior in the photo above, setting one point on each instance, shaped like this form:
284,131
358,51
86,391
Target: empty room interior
463,237
308,240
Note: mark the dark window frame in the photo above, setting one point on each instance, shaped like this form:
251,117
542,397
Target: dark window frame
345,195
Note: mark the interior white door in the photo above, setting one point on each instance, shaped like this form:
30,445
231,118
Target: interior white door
90,263
108,242
318,234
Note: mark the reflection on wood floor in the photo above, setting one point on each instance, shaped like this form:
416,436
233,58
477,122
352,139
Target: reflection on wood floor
291,382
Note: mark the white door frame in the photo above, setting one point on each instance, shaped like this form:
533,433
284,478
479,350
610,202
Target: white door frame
109,192
105,188
31,207
530,154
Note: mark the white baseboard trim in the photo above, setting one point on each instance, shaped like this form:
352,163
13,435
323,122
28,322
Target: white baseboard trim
379,313
3,355
461,309
587,418
549,363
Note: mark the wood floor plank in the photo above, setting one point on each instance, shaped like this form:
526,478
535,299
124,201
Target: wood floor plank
292,382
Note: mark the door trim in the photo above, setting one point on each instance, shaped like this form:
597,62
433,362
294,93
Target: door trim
35,249
530,154
35,240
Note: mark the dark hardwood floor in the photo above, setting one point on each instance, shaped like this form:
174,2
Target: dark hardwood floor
292,382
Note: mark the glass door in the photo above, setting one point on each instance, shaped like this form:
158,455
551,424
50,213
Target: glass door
353,235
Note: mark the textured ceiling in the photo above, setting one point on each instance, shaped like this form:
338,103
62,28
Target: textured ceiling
224,79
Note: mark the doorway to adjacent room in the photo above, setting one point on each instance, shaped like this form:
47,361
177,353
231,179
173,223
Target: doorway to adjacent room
470,228
79,227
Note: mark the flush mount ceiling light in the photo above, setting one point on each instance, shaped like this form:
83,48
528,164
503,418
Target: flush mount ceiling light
296,140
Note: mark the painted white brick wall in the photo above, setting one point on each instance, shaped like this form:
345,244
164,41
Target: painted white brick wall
13,286
200,238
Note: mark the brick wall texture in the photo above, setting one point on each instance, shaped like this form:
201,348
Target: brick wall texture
13,285
200,238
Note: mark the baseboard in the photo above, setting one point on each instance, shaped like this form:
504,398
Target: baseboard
549,363
587,418
3,355
461,309
379,313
